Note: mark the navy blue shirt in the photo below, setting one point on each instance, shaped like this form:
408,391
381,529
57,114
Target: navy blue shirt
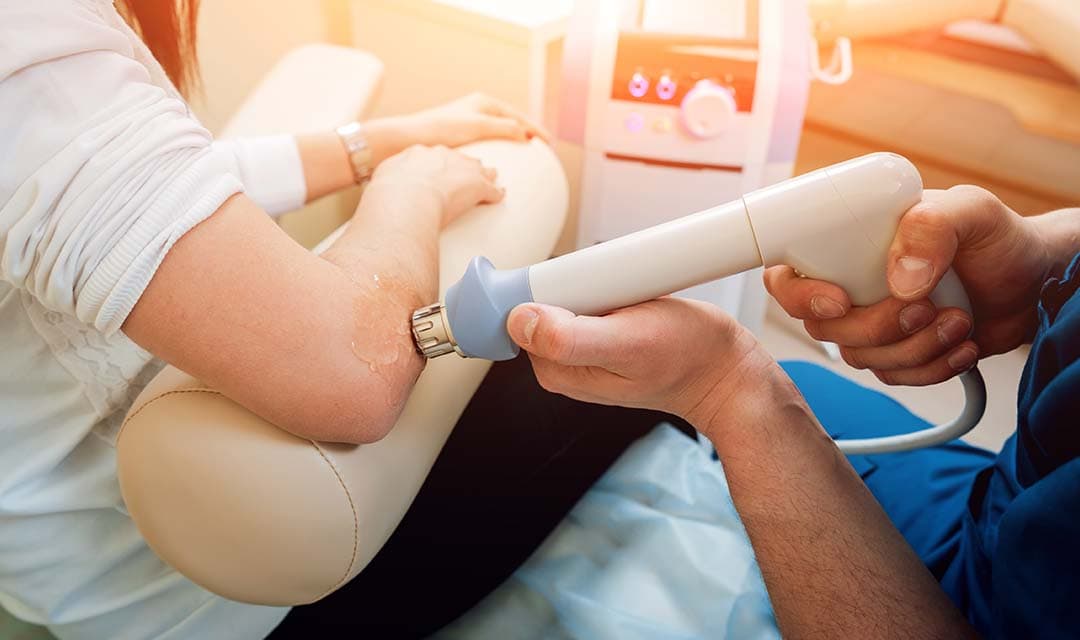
1026,508
1001,532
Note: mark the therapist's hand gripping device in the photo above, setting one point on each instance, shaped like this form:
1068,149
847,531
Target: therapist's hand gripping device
832,224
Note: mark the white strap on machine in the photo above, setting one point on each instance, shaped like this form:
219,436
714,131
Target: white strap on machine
840,65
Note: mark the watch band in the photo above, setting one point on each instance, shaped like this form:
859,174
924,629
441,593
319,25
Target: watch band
356,145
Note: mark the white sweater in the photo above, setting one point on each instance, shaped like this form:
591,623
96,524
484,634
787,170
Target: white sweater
102,169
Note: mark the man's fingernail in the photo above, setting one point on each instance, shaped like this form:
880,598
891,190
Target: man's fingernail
914,317
962,359
953,329
826,308
911,275
524,332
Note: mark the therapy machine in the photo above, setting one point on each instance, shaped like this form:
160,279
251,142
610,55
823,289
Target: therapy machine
833,224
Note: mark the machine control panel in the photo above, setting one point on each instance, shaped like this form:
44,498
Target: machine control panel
663,69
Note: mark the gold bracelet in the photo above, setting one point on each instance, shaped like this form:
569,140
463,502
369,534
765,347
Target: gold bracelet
356,146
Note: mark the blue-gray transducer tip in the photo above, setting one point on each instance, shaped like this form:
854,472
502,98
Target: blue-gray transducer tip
475,311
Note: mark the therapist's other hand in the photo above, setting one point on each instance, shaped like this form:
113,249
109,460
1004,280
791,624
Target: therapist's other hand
999,256
457,181
673,355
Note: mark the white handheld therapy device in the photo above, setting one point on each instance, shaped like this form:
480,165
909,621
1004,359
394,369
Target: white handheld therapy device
832,224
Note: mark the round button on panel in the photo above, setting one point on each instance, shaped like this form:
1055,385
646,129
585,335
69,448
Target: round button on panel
708,110
666,87
639,85
634,122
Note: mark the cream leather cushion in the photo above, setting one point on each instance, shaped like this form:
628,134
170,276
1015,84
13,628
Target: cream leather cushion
258,515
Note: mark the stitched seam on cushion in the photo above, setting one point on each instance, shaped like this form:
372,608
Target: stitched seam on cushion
352,506
155,399
356,522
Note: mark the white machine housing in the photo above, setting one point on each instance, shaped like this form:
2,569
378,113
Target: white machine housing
678,105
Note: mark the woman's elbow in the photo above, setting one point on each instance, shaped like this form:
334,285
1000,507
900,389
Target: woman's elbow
360,411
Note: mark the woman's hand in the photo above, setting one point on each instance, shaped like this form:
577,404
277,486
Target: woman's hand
327,167
1001,258
457,181
469,119
680,356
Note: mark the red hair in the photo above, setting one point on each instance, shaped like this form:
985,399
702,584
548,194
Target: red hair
169,29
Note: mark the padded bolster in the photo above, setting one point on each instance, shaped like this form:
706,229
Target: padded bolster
258,515
1051,26
292,99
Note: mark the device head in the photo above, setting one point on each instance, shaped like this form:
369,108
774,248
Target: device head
837,223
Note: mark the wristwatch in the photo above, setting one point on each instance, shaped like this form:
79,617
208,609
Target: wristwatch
352,136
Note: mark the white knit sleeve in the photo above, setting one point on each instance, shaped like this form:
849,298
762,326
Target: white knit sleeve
271,170
102,170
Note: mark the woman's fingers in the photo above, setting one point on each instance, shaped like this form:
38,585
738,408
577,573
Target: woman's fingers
951,328
878,325
490,192
806,298
500,127
498,108
493,192
955,361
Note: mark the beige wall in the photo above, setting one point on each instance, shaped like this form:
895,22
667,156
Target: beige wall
239,40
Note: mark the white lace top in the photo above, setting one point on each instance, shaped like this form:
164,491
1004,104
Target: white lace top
102,168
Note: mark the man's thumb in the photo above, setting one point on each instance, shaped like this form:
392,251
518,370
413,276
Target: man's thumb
924,247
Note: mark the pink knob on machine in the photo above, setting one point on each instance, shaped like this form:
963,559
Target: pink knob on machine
708,110
666,87
639,85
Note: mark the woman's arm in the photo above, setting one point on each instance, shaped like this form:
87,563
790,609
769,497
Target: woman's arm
475,117
833,563
116,210
321,347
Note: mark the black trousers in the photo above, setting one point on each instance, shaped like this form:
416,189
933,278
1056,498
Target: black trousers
517,461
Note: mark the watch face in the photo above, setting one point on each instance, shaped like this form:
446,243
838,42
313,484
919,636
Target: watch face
349,129
357,147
